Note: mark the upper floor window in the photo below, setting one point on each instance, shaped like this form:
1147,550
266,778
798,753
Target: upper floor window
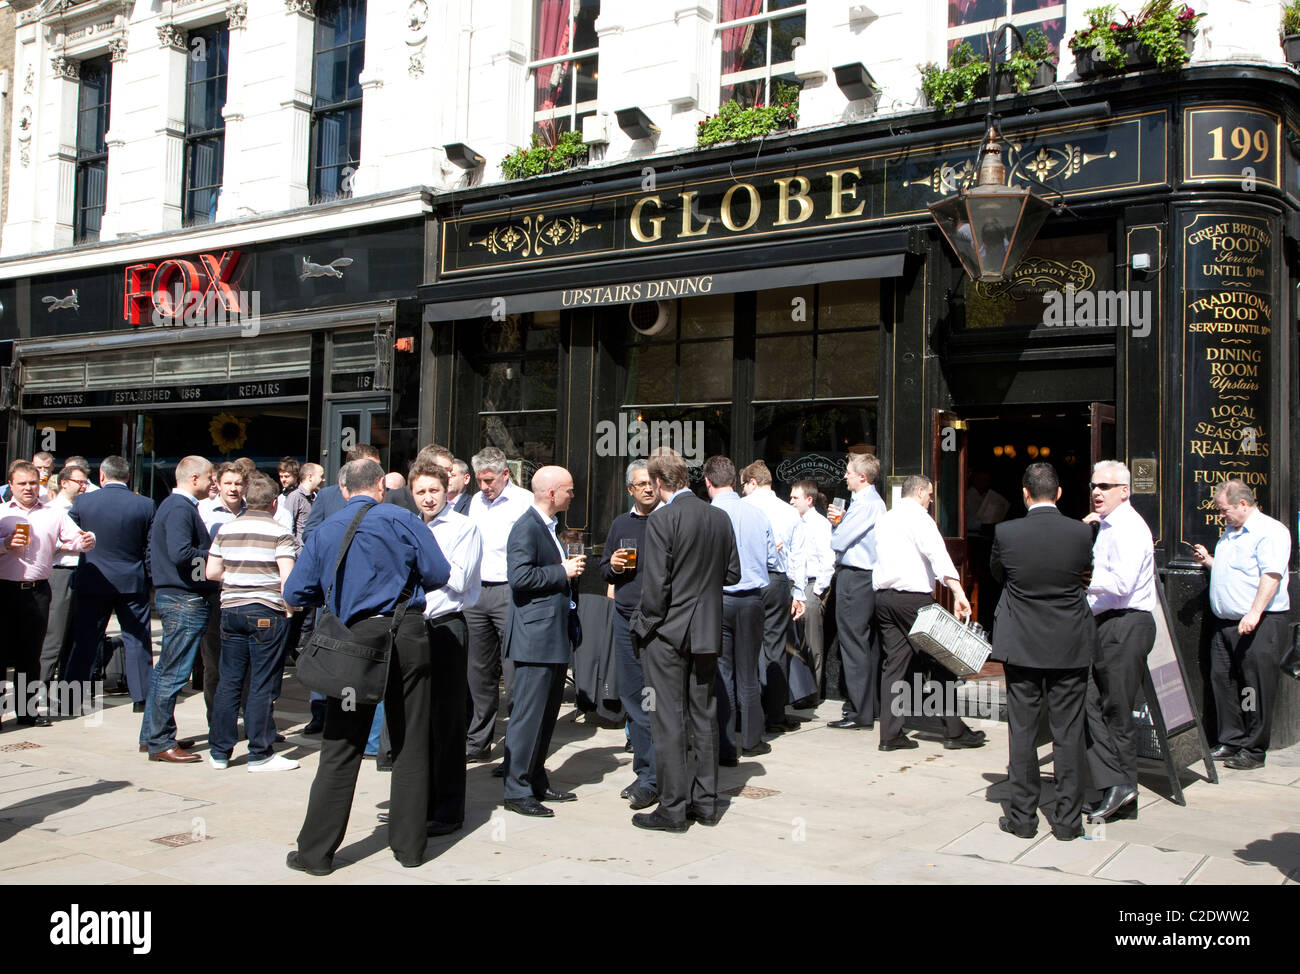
92,149
205,126
971,20
336,99
565,65
758,42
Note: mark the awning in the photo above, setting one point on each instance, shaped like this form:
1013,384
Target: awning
654,289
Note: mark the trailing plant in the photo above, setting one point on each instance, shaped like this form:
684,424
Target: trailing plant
1023,63
1159,29
538,157
1103,36
1291,19
735,122
945,87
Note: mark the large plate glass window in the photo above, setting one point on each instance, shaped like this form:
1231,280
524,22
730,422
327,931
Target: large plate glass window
759,38
564,66
971,20
336,97
92,149
205,126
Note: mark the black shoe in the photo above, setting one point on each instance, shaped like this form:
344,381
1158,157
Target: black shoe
774,728
529,806
848,723
499,771
807,703
313,728
729,762
137,707
703,817
1224,751
478,757
435,828
900,743
37,721
968,738
762,747
1241,761
410,863
642,798
1066,835
557,796
1118,801
1019,831
656,821
626,793
293,862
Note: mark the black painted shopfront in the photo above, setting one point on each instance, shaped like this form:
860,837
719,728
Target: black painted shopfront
794,299
299,347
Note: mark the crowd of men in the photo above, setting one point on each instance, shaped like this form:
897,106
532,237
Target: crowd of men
718,622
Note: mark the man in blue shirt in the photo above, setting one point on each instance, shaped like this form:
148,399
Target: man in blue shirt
1249,600
742,618
393,552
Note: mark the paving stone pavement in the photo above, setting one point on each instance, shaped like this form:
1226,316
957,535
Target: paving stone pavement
825,806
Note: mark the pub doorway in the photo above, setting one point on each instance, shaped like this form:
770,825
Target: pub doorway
977,478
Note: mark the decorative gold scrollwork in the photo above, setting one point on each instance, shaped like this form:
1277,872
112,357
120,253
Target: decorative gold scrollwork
533,234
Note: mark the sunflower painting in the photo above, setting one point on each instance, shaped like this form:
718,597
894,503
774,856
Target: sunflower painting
229,433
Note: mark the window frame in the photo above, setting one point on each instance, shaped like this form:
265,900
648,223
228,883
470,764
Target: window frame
975,33
764,73
86,162
221,32
575,111
348,109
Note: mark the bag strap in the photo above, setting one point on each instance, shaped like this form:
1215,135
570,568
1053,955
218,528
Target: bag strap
343,548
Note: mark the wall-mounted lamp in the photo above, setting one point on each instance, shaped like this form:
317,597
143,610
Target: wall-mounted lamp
459,154
855,81
636,123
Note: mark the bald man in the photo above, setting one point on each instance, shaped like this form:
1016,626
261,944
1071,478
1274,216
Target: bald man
539,639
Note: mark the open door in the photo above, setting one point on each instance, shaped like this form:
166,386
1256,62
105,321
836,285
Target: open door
1101,425
948,464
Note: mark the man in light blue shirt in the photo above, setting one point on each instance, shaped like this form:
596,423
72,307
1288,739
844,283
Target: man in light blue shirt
1249,599
854,544
742,618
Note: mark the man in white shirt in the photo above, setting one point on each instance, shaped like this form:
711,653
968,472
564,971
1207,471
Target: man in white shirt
494,510
911,557
58,632
820,568
1122,596
444,617
784,677
216,511
1249,599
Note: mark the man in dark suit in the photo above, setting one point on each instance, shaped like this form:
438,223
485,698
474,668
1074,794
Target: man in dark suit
113,578
458,492
1045,635
538,640
689,555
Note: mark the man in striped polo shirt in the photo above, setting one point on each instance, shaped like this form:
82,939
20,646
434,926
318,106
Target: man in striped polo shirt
251,556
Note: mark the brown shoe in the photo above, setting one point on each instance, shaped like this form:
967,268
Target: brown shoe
175,755
184,745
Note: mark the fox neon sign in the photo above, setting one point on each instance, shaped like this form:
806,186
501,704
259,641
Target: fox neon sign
177,286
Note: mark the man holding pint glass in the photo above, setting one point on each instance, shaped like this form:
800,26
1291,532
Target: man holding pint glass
618,568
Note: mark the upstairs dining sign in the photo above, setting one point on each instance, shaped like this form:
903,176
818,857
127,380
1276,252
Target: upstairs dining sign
663,214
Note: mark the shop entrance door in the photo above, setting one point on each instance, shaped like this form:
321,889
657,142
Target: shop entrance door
351,423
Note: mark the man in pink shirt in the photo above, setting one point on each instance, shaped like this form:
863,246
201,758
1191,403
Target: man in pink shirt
32,531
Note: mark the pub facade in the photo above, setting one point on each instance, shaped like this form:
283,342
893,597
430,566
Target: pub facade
790,299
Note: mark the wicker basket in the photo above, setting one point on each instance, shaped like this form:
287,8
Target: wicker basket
952,644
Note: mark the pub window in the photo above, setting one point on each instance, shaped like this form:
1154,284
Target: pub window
816,379
340,55
758,42
517,362
971,20
564,66
92,148
205,126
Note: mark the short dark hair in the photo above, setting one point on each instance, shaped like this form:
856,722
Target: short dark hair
290,465
115,467
26,466
720,471
362,451
809,488
231,467
261,492
427,467
668,469
1041,481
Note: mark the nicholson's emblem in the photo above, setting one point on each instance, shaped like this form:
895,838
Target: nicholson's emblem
332,269
533,235
1036,274
810,467
62,304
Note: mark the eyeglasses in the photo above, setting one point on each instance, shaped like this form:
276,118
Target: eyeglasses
1105,486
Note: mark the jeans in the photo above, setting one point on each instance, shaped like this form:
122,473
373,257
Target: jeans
376,728
184,619
252,642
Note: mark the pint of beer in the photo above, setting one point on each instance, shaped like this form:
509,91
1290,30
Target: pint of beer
22,533
628,545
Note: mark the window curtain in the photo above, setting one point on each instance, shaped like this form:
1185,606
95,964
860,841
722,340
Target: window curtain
735,40
552,41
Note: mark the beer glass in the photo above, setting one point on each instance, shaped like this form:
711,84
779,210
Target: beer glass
629,545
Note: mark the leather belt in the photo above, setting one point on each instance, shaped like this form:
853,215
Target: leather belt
489,584
21,584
